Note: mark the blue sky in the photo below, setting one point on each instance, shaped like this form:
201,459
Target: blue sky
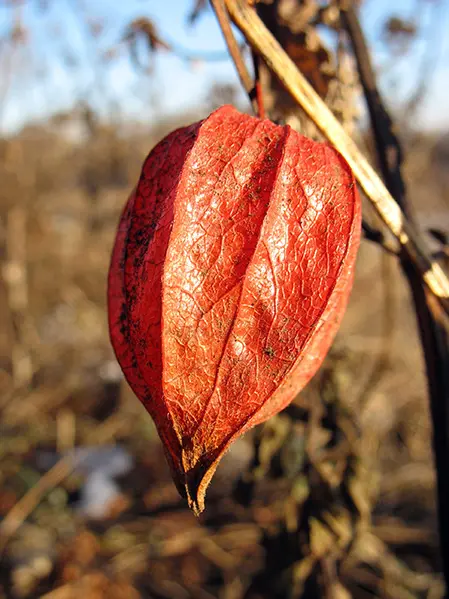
61,63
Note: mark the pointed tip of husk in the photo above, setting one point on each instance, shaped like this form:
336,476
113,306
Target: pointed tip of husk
195,502
193,483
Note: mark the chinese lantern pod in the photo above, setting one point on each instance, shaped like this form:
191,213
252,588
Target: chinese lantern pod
230,274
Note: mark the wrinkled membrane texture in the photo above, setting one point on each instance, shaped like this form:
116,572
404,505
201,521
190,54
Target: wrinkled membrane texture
230,274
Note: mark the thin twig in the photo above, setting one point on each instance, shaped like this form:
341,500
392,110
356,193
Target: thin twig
387,144
276,59
258,86
219,7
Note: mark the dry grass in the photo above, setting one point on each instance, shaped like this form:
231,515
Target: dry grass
365,495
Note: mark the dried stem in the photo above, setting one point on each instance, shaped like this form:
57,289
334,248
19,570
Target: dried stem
258,86
389,151
219,7
263,42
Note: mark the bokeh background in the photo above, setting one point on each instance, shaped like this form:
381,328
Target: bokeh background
334,497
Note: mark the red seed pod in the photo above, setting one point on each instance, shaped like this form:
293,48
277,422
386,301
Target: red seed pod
230,275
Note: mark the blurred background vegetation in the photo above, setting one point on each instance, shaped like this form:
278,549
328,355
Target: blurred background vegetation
334,497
